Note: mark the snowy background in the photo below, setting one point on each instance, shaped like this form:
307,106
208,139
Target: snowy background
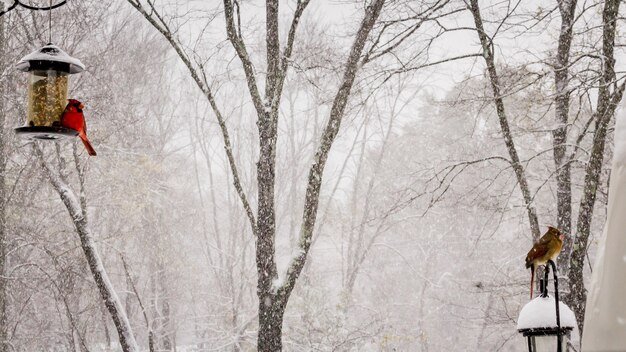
421,230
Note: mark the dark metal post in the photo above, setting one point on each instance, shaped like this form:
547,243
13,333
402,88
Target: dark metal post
556,301
546,281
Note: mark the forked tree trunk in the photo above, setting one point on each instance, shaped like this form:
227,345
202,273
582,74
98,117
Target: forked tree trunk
273,298
272,292
109,296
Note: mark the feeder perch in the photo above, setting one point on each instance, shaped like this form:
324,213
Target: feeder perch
545,321
49,69
537,322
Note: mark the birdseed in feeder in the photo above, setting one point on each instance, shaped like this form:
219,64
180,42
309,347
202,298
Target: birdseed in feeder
47,97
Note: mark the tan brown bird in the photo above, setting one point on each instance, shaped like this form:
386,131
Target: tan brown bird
547,248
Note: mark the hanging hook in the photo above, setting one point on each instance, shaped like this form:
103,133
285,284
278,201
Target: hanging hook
36,8
50,24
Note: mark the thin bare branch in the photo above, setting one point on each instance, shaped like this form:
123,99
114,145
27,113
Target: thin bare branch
206,90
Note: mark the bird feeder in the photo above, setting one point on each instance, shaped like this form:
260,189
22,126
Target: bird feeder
49,69
545,322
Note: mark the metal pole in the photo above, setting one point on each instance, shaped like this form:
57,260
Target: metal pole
546,281
556,301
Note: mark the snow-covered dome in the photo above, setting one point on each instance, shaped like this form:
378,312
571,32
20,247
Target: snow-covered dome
50,56
540,313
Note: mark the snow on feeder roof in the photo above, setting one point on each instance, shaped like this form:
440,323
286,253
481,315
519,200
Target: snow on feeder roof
537,322
50,57
49,68
540,313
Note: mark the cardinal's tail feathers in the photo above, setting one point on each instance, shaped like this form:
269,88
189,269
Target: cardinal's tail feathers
88,146
532,280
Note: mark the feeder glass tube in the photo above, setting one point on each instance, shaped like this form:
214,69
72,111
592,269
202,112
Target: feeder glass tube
47,97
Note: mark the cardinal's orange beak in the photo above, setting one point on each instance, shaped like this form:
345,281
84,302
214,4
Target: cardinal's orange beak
81,106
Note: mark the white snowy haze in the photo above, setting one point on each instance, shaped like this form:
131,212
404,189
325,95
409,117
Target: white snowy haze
406,192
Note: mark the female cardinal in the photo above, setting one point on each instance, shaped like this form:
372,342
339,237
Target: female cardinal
547,248
73,118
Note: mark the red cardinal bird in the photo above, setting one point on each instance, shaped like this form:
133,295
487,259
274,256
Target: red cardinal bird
73,118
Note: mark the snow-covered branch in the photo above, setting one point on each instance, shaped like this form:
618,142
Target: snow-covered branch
109,296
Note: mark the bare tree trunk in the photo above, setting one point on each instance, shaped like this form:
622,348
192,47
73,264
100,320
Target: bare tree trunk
167,332
270,315
480,342
423,337
562,164
109,296
4,346
105,327
517,166
273,300
270,312
357,257
273,294
609,96
132,287
352,252
128,304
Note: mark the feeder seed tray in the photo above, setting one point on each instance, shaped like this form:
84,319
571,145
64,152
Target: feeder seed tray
45,132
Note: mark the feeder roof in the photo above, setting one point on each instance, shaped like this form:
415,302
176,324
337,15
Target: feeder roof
50,56
540,313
